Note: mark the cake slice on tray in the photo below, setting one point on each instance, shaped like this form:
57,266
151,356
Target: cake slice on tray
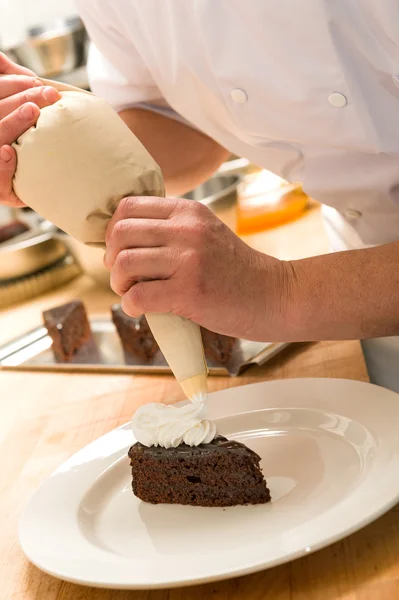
69,329
135,335
180,459
218,347
138,341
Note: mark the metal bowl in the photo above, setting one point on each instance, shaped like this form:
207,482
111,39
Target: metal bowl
216,193
54,51
218,190
29,253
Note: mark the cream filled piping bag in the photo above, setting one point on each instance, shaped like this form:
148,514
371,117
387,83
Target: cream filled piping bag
66,173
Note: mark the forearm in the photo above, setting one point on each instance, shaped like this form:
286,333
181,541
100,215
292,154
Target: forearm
345,295
186,156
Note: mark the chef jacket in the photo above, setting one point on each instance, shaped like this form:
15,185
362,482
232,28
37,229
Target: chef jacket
308,89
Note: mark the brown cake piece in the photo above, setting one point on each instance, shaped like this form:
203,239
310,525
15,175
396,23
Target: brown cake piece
134,333
217,347
222,473
69,328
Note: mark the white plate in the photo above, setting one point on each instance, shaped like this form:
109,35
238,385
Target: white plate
330,454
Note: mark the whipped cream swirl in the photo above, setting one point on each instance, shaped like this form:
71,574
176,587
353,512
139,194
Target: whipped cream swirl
169,426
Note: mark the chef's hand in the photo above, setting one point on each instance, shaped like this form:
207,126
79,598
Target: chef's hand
171,254
22,95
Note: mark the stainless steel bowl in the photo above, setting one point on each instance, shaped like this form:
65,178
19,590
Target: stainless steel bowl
218,190
29,253
217,193
54,51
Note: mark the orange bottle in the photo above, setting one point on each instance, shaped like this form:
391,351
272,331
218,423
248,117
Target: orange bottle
265,200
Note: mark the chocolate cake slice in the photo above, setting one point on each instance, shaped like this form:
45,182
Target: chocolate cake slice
221,473
217,347
134,333
69,329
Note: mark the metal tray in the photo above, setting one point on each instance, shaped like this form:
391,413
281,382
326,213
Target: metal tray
32,352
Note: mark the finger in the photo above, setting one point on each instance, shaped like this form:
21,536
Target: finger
7,66
19,121
149,296
136,233
140,263
14,84
41,96
142,207
8,163
12,201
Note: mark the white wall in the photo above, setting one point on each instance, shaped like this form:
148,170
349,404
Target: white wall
16,16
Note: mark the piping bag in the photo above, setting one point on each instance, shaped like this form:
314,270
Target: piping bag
73,169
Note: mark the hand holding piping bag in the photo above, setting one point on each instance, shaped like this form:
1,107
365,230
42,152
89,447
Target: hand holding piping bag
78,186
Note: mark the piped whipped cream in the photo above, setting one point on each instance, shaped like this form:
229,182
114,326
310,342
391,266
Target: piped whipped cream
169,426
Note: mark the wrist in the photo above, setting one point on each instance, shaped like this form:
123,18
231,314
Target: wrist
292,324
277,300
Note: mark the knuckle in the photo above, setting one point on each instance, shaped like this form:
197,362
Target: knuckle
193,258
22,98
180,206
129,305
135,300
121,273
31,95
125,206
174,204
11,128
198,231
6,128
197,220
124,262
120,281
175,228
139,296
119,230
190,228
153,228
198,209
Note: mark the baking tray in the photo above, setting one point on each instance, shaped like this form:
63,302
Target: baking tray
32,352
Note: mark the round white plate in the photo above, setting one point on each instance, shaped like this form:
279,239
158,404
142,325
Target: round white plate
330,454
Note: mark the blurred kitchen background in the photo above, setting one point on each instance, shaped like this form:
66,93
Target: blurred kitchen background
47,36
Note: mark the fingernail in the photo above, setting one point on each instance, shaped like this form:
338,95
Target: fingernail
26,112
5,155
50,94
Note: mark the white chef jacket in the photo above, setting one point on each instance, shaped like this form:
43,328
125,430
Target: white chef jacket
308,89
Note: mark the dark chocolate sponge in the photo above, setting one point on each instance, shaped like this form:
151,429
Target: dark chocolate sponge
134,333
69,329
222,473
217,347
